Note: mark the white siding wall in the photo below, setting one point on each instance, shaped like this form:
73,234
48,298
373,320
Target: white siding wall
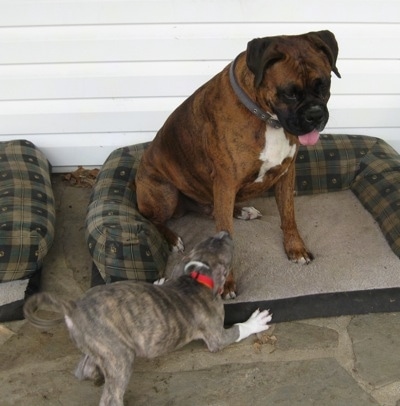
80,78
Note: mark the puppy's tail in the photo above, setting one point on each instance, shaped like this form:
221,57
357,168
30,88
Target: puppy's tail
48,300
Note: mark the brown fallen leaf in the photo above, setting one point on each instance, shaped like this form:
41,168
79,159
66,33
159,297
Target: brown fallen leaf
263,339
82,177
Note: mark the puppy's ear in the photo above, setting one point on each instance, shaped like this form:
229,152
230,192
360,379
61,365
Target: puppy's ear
196,266
326,42
260,55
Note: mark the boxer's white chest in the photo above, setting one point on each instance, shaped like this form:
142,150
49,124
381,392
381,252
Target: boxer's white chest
276,149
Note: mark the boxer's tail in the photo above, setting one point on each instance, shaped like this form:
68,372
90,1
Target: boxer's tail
50,302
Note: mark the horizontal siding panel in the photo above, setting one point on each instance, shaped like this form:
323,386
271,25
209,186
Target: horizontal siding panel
35,12
367,77
165,79
148,115
109,80
135,43
92,87
85,116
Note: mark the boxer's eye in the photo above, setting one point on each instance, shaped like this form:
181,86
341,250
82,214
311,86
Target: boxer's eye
321,87
291,93
291,96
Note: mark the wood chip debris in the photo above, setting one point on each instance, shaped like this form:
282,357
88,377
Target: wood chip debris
264,339
82,177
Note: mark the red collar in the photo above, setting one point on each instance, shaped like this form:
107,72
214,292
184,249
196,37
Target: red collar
203,279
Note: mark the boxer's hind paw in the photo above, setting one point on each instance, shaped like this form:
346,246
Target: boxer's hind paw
178,246
247,213
160,281
175,242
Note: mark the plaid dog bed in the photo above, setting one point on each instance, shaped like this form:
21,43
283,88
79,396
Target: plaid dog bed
124,245
27,217
27,212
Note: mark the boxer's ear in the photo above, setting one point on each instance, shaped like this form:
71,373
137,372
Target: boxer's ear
326,41
261,54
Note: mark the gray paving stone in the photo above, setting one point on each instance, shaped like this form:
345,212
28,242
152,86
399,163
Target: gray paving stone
302,336
315,382
376,345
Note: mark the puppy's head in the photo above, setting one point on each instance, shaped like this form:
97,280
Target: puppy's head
212,257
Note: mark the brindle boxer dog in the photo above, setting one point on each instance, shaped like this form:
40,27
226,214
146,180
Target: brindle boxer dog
238,136
113,324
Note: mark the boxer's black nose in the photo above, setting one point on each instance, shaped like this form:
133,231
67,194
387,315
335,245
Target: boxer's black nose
314,114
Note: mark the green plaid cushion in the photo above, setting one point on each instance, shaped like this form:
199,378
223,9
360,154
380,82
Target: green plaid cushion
331,164
123,244
27,213
377,185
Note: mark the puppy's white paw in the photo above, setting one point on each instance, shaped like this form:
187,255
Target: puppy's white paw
249,213
257,323
160,281
179,246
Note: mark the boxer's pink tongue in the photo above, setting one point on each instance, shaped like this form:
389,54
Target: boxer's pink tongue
310,138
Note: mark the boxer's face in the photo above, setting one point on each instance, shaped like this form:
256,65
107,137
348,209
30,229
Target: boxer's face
299,96
292,78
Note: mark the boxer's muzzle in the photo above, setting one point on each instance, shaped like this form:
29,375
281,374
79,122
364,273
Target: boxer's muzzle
310,117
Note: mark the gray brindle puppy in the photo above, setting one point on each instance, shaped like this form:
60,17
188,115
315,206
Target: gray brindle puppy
112,324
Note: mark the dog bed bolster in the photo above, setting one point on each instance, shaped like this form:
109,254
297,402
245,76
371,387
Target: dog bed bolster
27,213
27,217
123,244
377,186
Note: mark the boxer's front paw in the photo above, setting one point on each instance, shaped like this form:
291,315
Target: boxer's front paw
229,291
301,256
295,249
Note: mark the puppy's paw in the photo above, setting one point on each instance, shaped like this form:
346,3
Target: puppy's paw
87,369
257,323
259,320
247,213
